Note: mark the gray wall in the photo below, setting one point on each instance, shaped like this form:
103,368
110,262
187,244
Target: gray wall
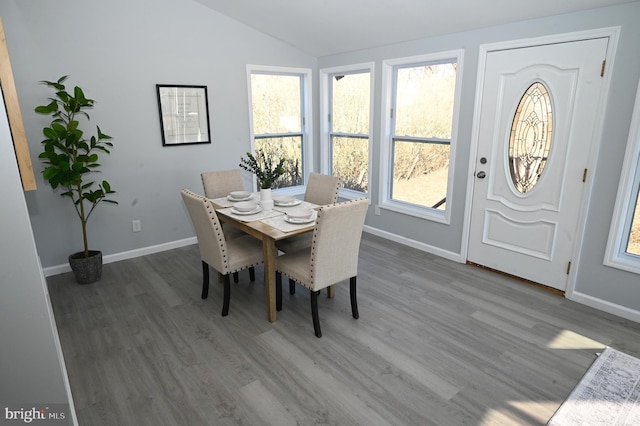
118,50
127,47
596,284
32,370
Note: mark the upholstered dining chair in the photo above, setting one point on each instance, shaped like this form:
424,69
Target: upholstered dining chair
224,255
321,190
218,184
332,257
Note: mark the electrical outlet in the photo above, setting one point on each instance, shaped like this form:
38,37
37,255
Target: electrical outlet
136,225
376,210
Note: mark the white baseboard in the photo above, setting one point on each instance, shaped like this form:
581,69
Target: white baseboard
605,306
60,269
456,257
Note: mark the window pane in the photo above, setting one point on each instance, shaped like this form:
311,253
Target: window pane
424,101
530,138
289,147
276,103
633,246
420,173
351,103
350,162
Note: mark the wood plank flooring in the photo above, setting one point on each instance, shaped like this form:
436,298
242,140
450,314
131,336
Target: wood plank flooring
437,343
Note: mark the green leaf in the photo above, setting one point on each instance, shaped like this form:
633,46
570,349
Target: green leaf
103,135
49,173
43,109
50,133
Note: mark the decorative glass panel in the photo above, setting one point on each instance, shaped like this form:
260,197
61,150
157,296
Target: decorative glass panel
530,139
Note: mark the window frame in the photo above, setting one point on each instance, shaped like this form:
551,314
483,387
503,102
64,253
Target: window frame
306,112
326,132
389,77
616,255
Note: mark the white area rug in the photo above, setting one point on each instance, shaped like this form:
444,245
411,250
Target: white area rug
608,394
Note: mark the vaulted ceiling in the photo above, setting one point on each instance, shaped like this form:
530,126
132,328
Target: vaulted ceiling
326,27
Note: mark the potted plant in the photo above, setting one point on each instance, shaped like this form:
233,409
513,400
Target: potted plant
266,172
69,159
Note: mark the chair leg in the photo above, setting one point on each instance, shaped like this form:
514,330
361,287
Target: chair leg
354,301
235,277
314,313
205,279
252,274
227,295
278,291
292,286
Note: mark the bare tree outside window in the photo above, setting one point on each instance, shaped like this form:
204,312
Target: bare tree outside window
422,126
277,121
350,104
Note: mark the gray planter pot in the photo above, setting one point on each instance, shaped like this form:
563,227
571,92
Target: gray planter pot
86,269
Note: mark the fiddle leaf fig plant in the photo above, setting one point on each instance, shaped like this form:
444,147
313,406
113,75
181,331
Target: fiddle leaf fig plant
69,156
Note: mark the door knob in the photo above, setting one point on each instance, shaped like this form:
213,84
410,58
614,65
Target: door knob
481,175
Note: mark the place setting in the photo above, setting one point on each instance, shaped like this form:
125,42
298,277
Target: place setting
243,206
293,219
300,215
233,198
237,196
285,200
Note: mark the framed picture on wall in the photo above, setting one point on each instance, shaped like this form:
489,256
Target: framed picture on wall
184,114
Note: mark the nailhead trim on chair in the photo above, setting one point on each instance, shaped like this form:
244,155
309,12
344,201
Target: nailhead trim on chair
219,233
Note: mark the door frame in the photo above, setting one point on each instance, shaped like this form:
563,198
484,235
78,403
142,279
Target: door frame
613,34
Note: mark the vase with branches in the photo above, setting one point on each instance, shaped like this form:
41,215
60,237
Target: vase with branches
266,170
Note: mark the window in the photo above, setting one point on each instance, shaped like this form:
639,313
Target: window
623,246
421,113
279,99
346,141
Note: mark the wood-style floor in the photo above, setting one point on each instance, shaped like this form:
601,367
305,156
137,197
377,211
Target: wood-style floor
437,343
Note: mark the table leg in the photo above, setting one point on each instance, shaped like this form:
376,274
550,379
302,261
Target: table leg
331,291
270,252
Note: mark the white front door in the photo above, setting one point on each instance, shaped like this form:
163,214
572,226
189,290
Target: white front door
532,155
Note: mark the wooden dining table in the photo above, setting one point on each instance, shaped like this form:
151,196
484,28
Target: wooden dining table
265,227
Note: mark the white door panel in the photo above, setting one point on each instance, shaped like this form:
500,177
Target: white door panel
531,234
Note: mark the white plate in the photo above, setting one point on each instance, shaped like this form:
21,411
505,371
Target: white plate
239,194
258,209
287,204
245,206
300,213
299,221
230,198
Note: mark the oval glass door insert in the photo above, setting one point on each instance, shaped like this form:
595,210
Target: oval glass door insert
530,138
